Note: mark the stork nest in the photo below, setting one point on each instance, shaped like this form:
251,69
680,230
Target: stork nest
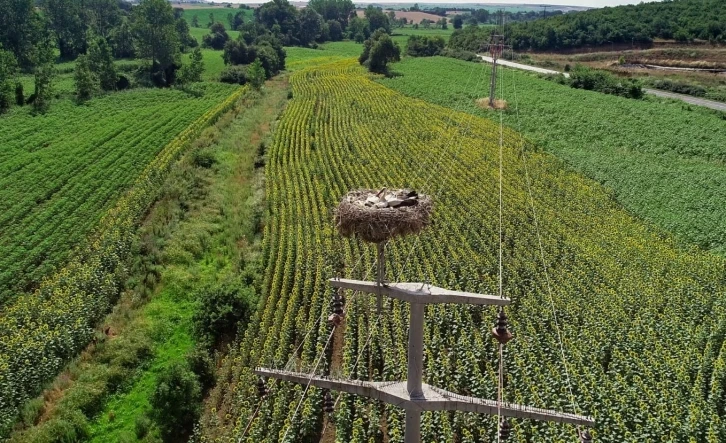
380,215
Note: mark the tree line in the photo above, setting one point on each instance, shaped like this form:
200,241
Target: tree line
680,20
33,39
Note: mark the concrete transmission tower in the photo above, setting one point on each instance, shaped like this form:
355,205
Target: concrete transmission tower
413,395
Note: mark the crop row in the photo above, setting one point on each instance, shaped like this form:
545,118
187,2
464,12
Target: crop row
60,172
41,331
640,318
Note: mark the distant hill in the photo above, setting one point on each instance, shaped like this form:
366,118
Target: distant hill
681,20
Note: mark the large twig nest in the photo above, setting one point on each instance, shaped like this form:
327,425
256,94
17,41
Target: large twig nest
380,215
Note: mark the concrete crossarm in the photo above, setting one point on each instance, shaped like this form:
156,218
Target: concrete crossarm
434,399
419,292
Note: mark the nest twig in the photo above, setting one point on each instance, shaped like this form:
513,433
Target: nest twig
380,215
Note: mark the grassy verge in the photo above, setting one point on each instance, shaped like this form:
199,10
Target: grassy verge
203,230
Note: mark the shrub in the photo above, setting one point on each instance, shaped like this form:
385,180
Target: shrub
176,402
202,366
234,74
419,46
122,82
142,426
595,80
19,95
204,158
461,55
225,305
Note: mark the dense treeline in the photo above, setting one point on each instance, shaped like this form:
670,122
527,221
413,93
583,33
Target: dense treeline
33,39
682,20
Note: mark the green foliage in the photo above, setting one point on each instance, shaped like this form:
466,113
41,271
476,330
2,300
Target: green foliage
582,77
79,200
44,61
334,10
630,24
458,22
185,37
142,425
226,306
156,37
234,75
655,170
235,53
8,68
192,72
377,19
216,38
122,40
378,51
423,46
470,39
679,87
202,365
85,79
176,402
20,29
100,61
256,74
311,26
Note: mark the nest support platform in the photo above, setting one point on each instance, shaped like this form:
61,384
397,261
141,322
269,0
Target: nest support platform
377,216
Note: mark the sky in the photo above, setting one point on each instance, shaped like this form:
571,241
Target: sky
591,3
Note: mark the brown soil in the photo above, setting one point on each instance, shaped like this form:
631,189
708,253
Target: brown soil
484,103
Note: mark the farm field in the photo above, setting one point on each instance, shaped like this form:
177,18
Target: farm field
219,14
61,171
662,161
641,318
80,177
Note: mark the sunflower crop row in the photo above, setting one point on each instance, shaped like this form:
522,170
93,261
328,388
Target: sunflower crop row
639,318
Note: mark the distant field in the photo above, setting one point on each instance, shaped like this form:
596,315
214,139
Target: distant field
199,33
60,171
416,16
664,162
220,15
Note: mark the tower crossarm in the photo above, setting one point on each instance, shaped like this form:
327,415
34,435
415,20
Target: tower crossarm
433,399
419,292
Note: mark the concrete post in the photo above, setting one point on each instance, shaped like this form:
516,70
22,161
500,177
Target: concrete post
381,274
413,427
415,350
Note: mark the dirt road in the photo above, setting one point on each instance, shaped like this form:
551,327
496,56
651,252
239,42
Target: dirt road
719,106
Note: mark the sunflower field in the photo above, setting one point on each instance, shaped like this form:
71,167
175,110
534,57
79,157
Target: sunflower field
641,319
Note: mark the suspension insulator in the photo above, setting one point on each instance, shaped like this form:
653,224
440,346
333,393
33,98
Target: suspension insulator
585,436
262,390
500,331
505,429
328,403
336,304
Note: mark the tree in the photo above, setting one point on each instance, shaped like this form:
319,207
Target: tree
86,81
66,19
235,52
338,10
358,29
8,70
256,74
176,402
103,16
122,40
335,30
193,71
311,25
185,37
237,21
19,29
100,61
216,38
44,61
195,21
378,51
458,22
377,19
442,23
281,13
156,38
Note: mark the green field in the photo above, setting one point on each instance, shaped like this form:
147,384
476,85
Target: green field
662,161
61,171
220,15
641,377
